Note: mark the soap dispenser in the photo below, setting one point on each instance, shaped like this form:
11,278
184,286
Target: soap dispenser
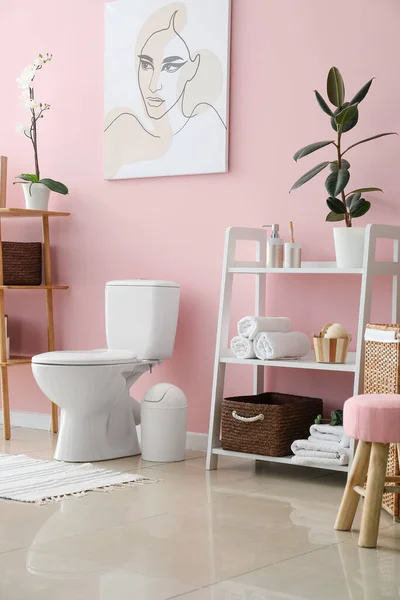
274,248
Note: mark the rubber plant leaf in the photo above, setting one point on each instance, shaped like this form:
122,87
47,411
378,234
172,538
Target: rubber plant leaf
337,181
374,137
311,148
362,93
335,87
349,124
336,206
350,198
367,189
346,114
323,104
309,175
335,165
334,217
359,208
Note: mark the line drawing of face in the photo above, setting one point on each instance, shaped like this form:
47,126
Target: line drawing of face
165,69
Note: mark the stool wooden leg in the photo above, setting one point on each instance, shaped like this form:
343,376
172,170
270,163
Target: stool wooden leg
350,500
373,497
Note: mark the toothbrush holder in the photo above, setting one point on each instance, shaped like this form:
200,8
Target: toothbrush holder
292,257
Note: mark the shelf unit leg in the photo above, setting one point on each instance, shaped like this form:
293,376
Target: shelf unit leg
4,370
260,299
49,308
3,337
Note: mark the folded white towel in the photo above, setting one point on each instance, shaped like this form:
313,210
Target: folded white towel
333,433
249,326
312,461
242,347
272,345
321,449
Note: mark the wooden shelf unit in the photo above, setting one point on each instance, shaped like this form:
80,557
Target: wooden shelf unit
48,287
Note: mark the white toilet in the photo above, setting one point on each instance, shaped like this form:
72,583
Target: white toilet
99,417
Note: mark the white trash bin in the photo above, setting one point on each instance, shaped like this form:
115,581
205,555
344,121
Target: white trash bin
164,423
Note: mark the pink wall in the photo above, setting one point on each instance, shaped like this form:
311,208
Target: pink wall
174,228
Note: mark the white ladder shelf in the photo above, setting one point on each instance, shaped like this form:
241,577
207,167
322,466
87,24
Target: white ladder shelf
355,360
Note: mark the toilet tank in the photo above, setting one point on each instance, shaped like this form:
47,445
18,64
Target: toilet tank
141,316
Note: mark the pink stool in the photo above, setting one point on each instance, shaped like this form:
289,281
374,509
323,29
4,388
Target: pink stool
374,420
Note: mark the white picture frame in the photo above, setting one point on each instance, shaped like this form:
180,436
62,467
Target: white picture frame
166,89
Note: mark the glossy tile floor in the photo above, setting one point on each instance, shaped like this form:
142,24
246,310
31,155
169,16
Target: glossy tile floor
244,532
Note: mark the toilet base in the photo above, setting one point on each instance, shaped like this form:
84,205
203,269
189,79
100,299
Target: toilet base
96,437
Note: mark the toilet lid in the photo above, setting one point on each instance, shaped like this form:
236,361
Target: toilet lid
85,357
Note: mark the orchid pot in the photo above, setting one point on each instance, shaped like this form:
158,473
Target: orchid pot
36,196
36,189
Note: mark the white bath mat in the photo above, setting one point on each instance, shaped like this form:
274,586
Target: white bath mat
27,479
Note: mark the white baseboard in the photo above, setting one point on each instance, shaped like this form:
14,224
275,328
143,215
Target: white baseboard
29,420
194,441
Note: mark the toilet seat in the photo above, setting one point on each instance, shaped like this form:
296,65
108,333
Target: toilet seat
85,357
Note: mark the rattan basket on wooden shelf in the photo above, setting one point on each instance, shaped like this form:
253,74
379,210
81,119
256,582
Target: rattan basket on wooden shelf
382,376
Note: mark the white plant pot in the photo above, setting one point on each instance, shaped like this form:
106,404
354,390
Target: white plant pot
349,246
36,196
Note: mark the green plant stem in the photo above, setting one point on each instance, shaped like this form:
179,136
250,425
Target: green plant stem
339,155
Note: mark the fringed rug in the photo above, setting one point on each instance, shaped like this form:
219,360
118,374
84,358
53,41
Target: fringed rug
27,479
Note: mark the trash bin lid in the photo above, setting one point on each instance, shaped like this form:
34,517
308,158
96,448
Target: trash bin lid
165,395
142,283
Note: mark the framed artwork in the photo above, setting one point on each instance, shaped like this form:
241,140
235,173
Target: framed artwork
166,87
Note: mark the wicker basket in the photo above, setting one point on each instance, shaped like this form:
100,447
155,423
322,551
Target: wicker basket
22,263
268,423
382,370
331,350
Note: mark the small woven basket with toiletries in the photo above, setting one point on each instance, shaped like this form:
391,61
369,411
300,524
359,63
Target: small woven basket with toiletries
22,263
382,376
331,350
267,423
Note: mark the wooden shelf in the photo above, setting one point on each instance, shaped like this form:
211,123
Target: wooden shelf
34,287
47,286
24,212
15,360
307,362
278,459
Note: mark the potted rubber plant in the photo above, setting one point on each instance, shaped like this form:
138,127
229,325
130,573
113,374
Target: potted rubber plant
343,205
36,189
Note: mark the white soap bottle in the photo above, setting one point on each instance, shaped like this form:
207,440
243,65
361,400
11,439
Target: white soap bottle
274,248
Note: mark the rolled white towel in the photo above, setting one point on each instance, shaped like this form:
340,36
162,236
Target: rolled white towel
333,433
272,345
242,347
321,449
248,327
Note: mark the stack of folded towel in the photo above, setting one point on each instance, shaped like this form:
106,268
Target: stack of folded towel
327,445
269,338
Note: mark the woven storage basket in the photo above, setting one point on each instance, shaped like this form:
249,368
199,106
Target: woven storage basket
382,370
268,423
331,350
22,263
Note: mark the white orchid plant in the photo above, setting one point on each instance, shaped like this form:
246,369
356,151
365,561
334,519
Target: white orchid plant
36,110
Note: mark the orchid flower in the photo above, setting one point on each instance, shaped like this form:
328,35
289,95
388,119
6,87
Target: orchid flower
36,109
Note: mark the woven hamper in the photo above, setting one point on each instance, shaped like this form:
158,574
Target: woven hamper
382,376
267,423
22,263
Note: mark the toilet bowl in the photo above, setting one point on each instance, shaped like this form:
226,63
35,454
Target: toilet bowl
92,388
